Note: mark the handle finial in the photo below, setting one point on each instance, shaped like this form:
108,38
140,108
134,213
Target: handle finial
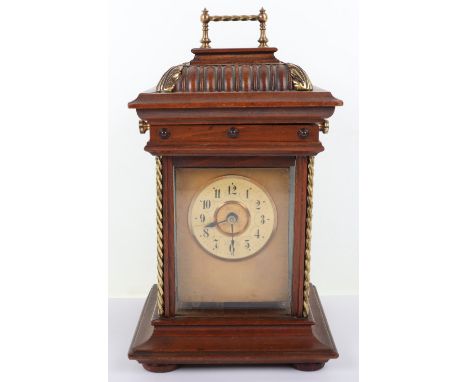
262,17
205,19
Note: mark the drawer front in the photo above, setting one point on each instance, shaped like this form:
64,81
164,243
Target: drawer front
233,134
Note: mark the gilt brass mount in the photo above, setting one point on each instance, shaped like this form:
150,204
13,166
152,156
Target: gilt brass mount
168,81
143,126
300,79
262,17
324,126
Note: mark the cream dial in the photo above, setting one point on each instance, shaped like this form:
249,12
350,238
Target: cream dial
232,217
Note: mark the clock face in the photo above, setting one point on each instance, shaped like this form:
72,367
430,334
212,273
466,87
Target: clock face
232,217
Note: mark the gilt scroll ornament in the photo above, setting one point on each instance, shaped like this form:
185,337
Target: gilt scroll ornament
299,78
169,79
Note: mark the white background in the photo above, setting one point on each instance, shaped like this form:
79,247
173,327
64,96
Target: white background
413,186
148,37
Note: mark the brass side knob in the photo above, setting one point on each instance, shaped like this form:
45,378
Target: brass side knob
324,126
233,132
143,126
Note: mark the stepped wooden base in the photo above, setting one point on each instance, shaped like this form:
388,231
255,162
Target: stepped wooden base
162,345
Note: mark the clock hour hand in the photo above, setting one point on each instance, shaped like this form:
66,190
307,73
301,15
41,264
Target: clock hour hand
214,224
231,218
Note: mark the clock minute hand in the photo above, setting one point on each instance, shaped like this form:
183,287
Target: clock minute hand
232,238
215,223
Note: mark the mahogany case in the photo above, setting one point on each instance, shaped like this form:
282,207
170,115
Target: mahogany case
234,108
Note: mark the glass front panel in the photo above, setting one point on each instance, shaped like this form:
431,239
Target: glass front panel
233,239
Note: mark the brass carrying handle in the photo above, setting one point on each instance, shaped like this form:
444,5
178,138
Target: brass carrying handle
205,18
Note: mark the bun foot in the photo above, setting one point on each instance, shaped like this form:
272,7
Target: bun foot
308,366
159,368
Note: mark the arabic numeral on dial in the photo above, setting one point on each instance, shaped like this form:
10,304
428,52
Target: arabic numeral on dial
202,218
217,193
247,244
206,204
262,219
247,192
232,248
257,234
215,244
257,204
206,233
232,189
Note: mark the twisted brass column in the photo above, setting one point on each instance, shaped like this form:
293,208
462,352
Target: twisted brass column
308,236
159,236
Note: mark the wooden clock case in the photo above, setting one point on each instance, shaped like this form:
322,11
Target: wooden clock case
241,104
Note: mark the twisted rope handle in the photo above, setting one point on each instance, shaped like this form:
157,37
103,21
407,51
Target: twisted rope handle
234,18
205,18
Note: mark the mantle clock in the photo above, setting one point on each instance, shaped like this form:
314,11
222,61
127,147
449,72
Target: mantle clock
234,133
